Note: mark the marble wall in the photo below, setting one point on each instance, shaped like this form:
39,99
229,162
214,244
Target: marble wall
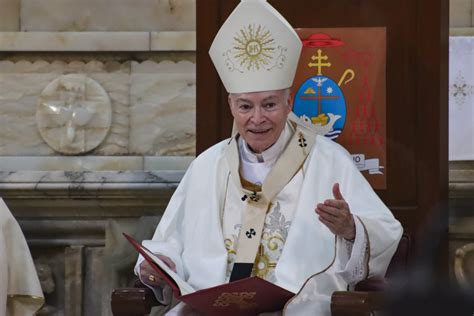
106,15
10,15
461,13
154,92
97,125
97,15
151,107
147,105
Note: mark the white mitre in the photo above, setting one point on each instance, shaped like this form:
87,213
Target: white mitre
256,49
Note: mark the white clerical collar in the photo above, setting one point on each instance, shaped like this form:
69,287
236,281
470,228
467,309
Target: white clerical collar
269,155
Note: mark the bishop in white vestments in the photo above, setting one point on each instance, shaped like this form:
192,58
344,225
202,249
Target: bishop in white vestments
275,200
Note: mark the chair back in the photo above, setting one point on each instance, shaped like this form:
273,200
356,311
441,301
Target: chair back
399,264
401,257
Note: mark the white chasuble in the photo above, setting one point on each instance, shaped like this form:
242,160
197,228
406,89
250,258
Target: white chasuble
312,262
20,290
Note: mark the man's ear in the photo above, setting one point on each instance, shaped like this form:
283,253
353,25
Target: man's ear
290,101
229,101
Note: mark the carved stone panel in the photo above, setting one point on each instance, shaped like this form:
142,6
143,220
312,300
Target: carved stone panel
22,83
74,114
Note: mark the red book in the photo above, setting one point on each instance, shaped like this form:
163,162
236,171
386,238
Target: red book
246,297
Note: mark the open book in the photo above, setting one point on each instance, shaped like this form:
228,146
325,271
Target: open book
250,296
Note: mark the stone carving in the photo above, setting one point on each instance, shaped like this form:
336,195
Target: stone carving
74,114
45,276
48,286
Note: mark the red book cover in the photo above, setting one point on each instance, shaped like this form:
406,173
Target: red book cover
246,297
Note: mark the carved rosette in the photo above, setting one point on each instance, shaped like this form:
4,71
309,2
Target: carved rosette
74,114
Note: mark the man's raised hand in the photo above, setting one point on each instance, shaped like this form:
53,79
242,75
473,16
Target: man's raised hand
336,215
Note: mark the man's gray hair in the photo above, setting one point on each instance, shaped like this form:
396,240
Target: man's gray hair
286,92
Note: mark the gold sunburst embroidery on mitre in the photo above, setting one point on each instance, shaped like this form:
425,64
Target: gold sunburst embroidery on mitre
254,47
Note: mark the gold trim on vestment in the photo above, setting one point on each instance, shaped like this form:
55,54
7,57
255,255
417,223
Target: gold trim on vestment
250,185
366,232
30,299
25,296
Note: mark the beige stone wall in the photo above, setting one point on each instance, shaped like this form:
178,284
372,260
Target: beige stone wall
97,125
9,15
140,52
153,107
461,13
97,15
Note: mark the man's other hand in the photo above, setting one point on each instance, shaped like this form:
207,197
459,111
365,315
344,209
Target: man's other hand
336,215
149,276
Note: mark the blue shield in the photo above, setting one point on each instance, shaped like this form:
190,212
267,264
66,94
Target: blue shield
320,101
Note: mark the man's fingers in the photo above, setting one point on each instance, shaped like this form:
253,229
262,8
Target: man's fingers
336,215
326,216
336,227
333,211
340,204
337,192
148,276
145,267
168,262
327,223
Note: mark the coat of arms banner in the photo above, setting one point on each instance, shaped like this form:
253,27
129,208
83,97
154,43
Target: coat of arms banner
340,89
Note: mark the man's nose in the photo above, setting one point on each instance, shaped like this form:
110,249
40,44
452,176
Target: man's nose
258,115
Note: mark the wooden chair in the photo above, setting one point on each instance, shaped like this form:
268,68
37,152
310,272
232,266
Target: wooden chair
367,297
136,301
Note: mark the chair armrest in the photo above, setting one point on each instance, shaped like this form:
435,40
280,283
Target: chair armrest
357,303
136,301
372,284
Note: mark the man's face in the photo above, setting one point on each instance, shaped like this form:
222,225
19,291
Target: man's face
260,116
